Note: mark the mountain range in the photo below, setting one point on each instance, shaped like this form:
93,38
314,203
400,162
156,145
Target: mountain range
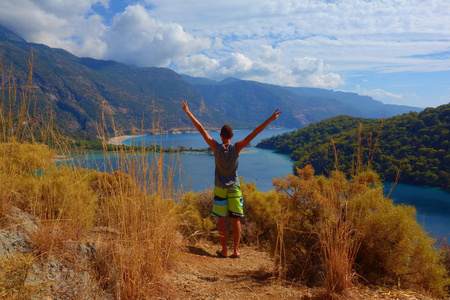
79,91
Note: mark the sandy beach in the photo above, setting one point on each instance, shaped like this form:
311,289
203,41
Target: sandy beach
118,140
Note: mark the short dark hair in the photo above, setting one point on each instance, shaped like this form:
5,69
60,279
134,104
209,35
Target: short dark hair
226,132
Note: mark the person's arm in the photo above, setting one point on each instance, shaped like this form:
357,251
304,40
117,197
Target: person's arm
242,143
208,139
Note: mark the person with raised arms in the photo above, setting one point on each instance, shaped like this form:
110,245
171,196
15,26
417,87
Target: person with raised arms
228,200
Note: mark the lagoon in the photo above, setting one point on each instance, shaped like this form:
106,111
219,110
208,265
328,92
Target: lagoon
197,168
196,172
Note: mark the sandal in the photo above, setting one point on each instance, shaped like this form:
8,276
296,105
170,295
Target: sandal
219,254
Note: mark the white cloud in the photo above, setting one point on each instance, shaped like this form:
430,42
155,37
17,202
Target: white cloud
305,72
198,65
70,25
67,8
136,38
376,33
271,55
291,42
236,63
388,97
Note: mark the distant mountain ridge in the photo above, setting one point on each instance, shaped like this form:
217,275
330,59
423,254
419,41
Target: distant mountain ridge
307,105
80,90
365,105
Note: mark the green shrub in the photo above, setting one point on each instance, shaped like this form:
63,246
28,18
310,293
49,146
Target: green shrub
396,250
195,212
261,214
335,228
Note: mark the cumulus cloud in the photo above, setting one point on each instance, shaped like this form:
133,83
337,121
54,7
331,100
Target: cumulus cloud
67,8
198,65
136,38
300,72
70,25
349,35
271,55
133,37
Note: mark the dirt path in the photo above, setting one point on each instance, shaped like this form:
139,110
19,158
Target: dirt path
200,274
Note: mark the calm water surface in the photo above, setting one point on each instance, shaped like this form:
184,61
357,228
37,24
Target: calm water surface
197,169
196,172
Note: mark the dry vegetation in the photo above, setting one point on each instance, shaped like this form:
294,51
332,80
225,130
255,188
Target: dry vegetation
330,232
337,232
73,204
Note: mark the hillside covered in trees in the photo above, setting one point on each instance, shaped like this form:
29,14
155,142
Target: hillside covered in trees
416,145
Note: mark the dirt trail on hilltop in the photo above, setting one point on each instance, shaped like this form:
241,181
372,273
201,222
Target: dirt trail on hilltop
200,274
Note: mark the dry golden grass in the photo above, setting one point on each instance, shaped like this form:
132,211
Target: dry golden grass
13,275
137,203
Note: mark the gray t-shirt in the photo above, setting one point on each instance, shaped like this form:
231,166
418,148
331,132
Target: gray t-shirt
227,161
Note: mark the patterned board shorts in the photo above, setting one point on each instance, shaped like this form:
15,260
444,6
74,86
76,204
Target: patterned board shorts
228,202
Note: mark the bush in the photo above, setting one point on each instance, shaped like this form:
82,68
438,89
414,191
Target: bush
19,163
339,228
142,222
110,189
445,246
261,214
24,158
195,211
396,250
64,194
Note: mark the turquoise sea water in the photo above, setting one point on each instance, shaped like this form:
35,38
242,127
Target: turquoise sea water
432,205
195,171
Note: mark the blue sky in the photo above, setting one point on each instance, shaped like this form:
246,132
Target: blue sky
397,51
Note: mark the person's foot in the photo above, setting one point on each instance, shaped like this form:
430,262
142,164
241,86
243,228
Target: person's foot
220,254
236,254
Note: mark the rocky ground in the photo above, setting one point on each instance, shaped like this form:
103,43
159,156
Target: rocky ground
200,274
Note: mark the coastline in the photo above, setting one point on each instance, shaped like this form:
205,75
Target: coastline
118,140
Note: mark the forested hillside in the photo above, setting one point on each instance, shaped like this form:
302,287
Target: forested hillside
416,144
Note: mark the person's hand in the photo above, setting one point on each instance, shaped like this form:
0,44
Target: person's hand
274,116
185,106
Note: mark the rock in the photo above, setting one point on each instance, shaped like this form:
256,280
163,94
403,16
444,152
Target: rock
21,221
62,281
67,276
12,242
15,238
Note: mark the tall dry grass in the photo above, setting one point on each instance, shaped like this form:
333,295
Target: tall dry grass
139,207
130,213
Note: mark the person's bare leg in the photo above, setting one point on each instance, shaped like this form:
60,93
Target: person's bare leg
236,235
222,227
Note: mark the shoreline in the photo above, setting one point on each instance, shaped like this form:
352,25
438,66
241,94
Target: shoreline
118,140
